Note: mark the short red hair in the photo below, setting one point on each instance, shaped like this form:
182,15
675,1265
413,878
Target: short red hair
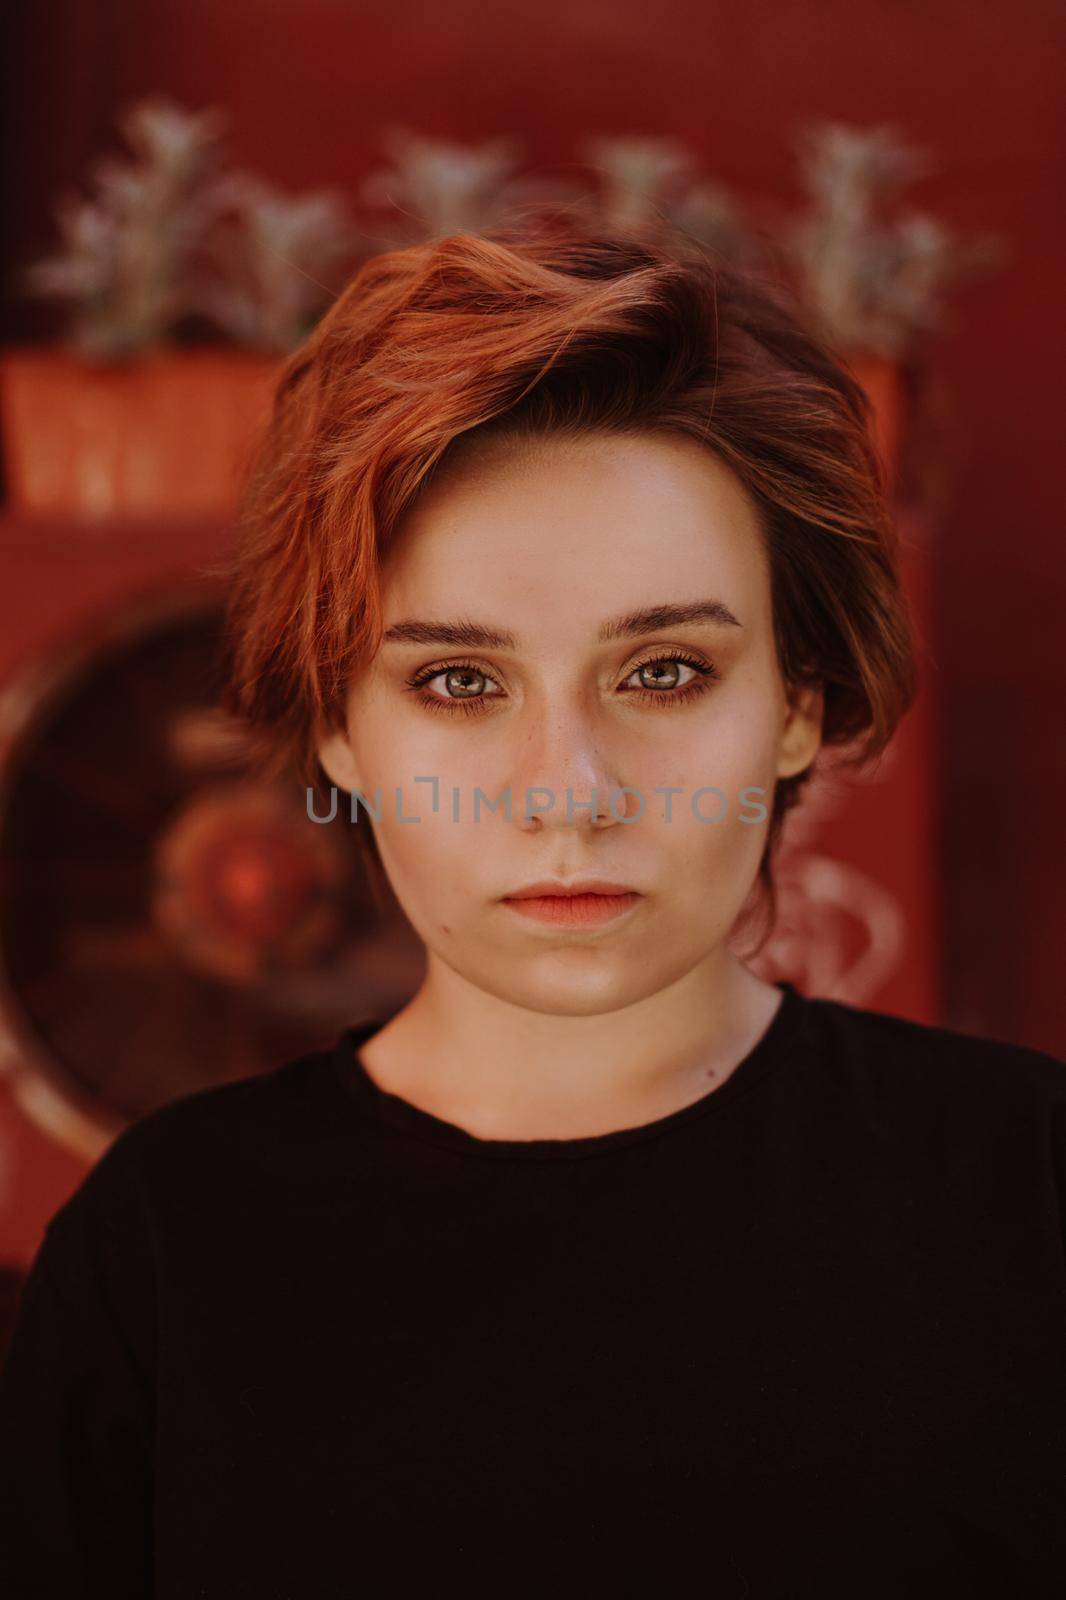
550,327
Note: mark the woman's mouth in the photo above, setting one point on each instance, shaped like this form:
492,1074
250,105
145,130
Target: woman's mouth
574,910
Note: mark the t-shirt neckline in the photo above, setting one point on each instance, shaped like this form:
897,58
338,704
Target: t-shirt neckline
772,1049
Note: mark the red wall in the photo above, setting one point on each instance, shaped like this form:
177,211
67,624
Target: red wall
309,84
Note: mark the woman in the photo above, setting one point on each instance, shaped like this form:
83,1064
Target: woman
604,1266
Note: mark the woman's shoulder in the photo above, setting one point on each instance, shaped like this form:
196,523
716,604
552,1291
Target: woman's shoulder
208,1141
936,1056
282,1092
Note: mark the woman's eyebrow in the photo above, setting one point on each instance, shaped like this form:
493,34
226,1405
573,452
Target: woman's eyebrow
480,636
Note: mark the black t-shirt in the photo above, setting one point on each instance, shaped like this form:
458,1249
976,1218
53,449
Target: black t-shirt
295,1338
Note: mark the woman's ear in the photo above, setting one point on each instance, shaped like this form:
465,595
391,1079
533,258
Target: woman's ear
801,737
336,758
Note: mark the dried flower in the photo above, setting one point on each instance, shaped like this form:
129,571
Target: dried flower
125,269
267,267
650,180
874,284
438,187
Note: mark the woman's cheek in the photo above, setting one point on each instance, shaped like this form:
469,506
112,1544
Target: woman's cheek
429,856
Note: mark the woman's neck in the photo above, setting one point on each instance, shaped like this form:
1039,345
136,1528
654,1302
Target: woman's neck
503,1071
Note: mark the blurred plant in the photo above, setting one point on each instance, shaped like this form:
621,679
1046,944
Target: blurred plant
873,283
125,269
439,187
649,180
269,258
170,236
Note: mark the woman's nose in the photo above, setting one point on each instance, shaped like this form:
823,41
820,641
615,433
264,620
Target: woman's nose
563,775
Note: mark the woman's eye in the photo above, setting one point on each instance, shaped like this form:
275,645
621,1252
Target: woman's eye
663,674
660,681
464,682
664,681
462,689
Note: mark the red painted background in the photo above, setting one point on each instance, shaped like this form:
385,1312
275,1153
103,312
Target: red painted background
310,84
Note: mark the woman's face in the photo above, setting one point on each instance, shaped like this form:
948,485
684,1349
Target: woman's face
552,559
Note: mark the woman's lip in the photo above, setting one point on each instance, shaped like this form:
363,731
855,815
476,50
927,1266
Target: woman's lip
574,910
545,888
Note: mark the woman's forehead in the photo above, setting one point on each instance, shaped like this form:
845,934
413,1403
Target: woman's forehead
613,523
654,466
